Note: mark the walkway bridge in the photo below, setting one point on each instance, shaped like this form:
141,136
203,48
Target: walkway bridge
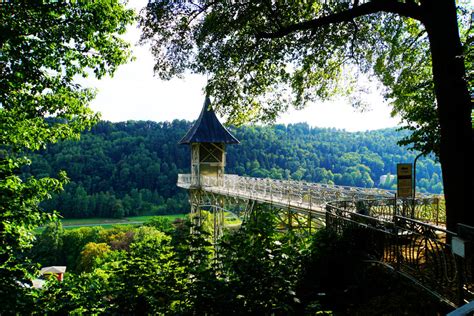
296,195
303,205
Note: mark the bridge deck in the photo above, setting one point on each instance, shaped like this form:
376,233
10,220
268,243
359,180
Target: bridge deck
298,195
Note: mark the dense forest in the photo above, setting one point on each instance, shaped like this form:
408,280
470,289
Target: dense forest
130,168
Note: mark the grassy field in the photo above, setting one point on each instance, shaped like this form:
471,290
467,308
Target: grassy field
71,223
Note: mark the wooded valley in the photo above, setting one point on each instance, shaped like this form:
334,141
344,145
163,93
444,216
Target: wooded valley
130,168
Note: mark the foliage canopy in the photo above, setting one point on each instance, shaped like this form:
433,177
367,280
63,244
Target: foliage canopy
262,56
256,270
43,48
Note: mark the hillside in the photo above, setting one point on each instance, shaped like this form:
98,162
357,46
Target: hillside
130,168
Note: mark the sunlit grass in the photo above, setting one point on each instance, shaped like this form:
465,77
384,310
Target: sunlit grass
71,223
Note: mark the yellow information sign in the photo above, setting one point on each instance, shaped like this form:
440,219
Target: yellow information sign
404,180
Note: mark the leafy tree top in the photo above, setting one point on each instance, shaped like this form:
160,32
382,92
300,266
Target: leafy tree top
44,48
263,56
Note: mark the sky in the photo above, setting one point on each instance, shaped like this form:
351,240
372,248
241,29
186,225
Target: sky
134,93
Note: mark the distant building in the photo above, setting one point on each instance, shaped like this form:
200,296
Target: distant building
47,272
57,271
387,178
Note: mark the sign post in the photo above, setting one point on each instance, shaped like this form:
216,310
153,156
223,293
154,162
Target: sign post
404,180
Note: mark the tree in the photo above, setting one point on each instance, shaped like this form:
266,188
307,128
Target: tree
48,246
262,55
148,280
162,224
78,294
44,47
261,266
314,155
91,253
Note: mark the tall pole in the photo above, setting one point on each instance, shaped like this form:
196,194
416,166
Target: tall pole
414,173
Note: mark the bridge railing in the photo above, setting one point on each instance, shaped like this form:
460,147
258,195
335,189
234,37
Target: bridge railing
184,180
296,193
427,210
365,201
416,249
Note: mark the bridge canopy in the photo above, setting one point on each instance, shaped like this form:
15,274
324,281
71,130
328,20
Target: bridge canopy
208,129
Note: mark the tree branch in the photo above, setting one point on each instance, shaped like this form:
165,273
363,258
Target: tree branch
408,9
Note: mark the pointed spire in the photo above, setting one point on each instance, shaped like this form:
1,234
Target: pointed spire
208,129
207,103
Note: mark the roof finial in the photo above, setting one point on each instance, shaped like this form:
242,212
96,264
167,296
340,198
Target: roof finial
207,103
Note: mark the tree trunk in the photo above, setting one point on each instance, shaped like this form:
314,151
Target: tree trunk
454,110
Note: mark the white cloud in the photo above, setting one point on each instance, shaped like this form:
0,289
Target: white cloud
340,114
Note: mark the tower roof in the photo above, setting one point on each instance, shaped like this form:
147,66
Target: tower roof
208,129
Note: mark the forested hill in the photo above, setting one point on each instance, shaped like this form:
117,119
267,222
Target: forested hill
130,168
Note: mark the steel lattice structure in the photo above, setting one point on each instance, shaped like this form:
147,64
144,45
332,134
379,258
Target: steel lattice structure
301,205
